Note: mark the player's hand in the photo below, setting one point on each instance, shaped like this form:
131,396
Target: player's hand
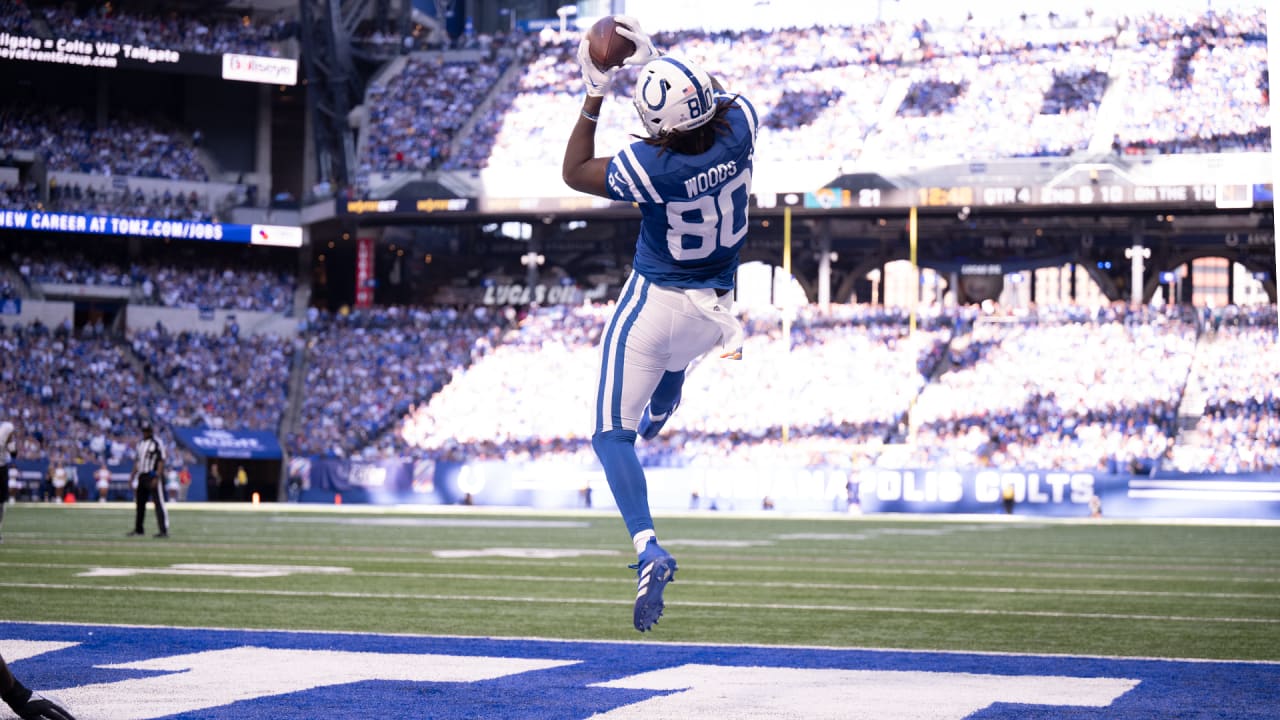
596,80
39,707
629,28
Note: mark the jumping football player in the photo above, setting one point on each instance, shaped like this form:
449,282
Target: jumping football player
691,178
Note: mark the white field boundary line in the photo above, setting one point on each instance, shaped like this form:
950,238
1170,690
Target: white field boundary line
590,566
601,601
863,587
870,563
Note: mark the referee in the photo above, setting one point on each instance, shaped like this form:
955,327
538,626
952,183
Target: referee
8,453
147,470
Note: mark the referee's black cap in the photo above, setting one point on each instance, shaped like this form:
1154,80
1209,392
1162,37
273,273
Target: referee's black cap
145,426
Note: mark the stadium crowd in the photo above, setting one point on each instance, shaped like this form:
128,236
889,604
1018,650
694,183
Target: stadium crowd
73,269
367,367
76,396
220,288
1197,87
1041,391
172,30
1236,368
226,380
1058,393
122,144
17,196
123,201
1010,104
540,375
975,91
414,117
167,278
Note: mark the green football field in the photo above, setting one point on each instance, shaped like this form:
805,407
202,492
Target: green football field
1102,587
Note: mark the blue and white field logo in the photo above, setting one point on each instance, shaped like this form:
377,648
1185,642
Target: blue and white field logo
133,673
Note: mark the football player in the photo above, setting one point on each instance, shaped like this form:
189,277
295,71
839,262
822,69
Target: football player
691,177
27,704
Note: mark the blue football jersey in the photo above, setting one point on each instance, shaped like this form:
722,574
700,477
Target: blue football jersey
693,207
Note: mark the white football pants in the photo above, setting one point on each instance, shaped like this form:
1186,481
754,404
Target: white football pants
653,329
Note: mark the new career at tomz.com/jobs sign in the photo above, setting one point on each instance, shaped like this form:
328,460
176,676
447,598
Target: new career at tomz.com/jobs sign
276,235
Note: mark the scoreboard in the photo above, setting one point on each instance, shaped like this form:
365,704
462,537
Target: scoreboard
1055,196
1101,196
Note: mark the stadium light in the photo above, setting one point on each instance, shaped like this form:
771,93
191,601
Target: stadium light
564,11
1137,255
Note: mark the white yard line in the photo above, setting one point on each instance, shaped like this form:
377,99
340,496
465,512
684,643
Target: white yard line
333,559
872,563
601,601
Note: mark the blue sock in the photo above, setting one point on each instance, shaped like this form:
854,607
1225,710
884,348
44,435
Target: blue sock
617,452
667,393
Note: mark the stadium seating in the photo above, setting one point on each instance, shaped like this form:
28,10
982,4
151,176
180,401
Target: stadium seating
1062,389
367,367
886,90
1236,369
169,278
541,377
1070,405
414,116
1055,393
75,397
133,202
124,144
1197,88
222,381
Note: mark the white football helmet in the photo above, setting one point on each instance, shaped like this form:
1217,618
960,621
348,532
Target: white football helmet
673,95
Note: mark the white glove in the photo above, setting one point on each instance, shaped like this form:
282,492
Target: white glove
596,80
629,28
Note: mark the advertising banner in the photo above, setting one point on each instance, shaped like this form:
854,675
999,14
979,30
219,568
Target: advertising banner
275,235
382,482
364,272
246,444
873,490
420,205
253,68
108,55
565,485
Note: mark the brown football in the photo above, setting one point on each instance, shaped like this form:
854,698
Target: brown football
607,48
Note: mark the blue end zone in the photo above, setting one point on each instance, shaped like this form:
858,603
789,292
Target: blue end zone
570,687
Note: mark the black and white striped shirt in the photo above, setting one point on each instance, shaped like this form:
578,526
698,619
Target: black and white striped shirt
150,455
8,443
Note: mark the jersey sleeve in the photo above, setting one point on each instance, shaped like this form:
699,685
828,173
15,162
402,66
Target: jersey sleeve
628,179
749,113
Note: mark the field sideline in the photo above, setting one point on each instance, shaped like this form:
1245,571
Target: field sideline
1199,592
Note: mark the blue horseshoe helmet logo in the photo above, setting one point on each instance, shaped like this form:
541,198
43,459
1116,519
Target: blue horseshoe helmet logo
644,93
